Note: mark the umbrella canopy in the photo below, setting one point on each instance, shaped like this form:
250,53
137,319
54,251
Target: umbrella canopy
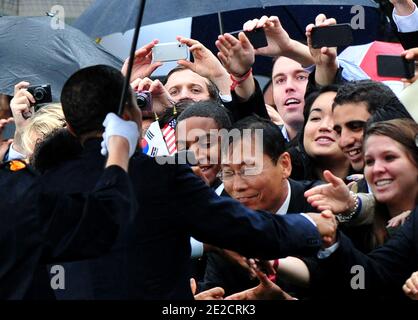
72,8
105,17
31,50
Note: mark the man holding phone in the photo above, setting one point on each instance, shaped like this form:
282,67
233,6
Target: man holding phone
290,78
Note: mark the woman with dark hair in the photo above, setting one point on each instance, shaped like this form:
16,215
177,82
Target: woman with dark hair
391,172
316,148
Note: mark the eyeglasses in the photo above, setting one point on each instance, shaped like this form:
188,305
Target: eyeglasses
246,172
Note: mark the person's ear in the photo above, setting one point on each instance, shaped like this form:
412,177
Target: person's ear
286,164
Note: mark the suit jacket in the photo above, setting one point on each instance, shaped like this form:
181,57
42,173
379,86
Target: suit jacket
386,268
232,278
151,256
175,204
254,105
38,228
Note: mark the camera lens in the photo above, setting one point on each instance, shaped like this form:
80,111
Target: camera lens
39,94
143,99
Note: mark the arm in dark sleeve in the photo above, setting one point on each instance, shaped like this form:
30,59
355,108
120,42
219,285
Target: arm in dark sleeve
78,226
408,40
255,104
385,268
312,86
226,223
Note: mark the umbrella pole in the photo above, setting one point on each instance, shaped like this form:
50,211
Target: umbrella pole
221,25
126,84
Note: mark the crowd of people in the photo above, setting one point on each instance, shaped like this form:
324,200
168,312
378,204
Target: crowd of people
281,201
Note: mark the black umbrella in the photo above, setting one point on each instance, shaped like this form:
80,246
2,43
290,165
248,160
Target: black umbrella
105,17
32,50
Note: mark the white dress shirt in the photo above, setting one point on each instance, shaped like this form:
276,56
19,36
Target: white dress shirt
406,23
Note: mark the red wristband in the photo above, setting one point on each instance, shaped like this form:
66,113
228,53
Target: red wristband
236,82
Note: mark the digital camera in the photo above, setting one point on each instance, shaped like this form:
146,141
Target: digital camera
144,100
41,93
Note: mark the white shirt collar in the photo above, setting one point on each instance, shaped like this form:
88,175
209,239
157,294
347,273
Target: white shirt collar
284,133
285,206
219,189
14,155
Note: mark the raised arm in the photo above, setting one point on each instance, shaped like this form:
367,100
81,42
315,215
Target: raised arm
279,42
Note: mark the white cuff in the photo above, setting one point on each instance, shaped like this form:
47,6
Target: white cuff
406,23
225,97
325,253
309,218
197,248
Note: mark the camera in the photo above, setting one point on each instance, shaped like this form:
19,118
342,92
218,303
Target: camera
41,93
144,100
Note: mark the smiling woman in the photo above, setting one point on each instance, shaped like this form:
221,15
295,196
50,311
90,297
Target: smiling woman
391,159
317,147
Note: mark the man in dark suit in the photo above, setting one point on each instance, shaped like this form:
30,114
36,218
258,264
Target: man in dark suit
150,258
260,181
39,228
381,273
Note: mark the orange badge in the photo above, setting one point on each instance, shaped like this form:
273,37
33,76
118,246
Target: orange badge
17,165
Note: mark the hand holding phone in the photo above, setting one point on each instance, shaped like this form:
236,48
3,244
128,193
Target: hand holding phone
257,37
338,35
395,66
169,51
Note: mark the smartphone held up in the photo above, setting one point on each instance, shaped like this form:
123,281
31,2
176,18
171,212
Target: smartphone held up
395,66
338,35
170,51
257,37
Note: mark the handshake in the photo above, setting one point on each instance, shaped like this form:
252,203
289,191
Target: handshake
326,224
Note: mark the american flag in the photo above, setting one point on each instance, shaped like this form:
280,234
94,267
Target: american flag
170,137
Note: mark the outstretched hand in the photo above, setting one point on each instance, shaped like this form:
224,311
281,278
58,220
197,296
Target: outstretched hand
236,55
216,293
410,288
334,195
266,290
